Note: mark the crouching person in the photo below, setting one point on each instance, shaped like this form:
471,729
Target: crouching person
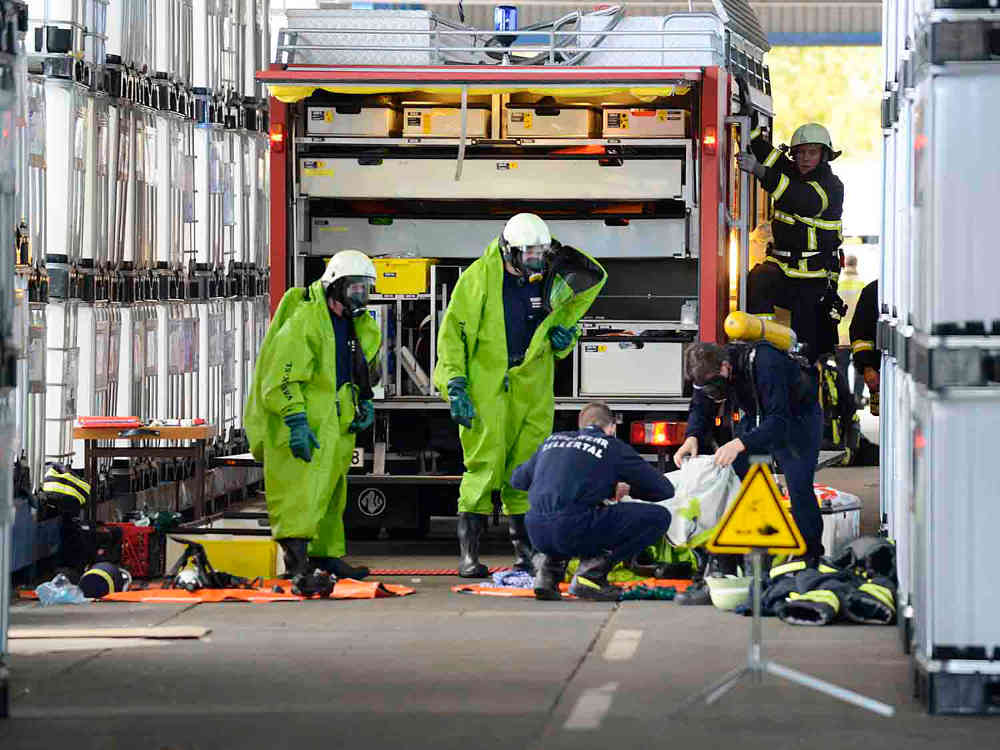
568,480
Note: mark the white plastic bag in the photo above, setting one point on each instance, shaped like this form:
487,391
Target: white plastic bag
702,493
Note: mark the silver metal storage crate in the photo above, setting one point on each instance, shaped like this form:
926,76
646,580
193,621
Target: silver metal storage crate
955,291
956,512
57,27
62,374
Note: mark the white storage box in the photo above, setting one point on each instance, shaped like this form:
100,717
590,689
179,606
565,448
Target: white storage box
652,357
551,120
645,122
841,513
444,121
354,119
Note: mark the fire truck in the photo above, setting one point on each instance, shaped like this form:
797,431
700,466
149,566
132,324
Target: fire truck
413,138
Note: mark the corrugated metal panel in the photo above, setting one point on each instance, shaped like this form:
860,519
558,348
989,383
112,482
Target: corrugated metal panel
776,16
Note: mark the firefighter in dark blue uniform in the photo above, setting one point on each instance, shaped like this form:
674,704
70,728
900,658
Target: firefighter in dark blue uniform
777,398
568,480
802,267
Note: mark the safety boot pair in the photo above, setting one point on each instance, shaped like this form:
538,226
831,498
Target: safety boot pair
470,529
307,579
591,580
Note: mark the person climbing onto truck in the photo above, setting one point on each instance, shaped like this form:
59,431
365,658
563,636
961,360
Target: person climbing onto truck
514,312
311,394
802,266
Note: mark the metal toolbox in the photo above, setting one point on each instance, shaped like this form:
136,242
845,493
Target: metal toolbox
379,121
651,353
644,122
433,120
548,119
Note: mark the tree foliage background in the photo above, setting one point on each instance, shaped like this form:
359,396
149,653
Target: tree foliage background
840,87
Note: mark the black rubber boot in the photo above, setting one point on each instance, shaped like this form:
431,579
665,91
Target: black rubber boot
591,580
306,579
697,593
337,567
523,551
470,527
551,571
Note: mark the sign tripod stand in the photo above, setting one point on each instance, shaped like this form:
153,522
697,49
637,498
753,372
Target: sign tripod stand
758,522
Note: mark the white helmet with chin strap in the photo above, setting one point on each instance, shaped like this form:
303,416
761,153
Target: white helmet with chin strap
525,243
349,278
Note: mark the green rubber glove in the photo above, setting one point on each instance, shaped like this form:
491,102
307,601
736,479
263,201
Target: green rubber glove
303,440
462,410
363,417
561,337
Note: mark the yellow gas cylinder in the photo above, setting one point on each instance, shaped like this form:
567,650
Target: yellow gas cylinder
741,326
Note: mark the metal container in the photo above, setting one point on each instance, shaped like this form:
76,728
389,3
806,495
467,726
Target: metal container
65,158
62,376
956,511
207,45
178,350
952,193
95,37
57,28
99,336
138,373
213,170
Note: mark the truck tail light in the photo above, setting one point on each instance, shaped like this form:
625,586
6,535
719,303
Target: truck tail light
709,140
277,138
658,433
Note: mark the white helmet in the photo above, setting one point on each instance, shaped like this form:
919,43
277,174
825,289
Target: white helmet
349,278
525,244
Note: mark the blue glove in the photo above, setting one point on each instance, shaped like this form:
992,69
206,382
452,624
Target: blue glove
561,337
303,440
462,410
363,417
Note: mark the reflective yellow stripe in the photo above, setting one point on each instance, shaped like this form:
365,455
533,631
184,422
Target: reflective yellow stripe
881,593
862,346
833,226
58,488
811,242
823,568
780,570
783,184
765,316
754,134
822,194
103,574
819,595
72,478
795,273
772,158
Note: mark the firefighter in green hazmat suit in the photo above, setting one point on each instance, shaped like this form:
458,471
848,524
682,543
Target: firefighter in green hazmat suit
513,312
311,394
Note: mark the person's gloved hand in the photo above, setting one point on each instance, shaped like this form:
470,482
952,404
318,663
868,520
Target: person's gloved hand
561,337
303,440
747,162
363,417
462,410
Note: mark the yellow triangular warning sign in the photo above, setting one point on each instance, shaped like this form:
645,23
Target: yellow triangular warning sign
757,519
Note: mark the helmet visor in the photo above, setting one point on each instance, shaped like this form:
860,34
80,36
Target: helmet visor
534,256
356,291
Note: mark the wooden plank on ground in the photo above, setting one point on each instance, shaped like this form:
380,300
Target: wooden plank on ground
165,632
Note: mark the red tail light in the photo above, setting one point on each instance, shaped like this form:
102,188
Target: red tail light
658,433
709,140
277,138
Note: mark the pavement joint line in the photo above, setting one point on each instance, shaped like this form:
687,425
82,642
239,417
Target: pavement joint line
538,744
622,645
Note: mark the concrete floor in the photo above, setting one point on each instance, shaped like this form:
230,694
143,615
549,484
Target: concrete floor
443,670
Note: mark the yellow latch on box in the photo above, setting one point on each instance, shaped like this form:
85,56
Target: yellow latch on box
402,275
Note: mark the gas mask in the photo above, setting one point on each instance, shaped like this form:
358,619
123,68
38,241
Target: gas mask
530,260
716,388
353,292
